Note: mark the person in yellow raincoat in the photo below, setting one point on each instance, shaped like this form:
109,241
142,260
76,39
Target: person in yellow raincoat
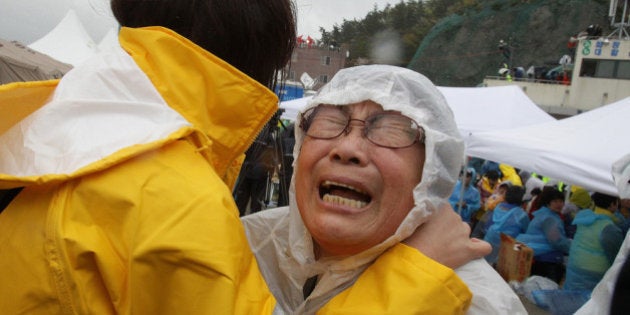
116,180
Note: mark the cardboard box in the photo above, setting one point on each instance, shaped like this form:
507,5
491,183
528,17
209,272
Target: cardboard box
515,259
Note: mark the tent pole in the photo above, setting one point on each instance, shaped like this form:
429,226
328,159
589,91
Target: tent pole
462,177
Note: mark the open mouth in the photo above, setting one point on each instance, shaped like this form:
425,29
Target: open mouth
345,195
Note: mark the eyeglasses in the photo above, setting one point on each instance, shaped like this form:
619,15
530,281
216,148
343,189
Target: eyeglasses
385,129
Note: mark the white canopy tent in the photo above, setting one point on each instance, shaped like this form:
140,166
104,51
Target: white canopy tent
579,150
474,109
492,108
293,107
68,42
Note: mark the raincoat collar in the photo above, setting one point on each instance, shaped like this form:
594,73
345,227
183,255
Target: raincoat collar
159,85
588,216
236,106
503,211
545,211
607,213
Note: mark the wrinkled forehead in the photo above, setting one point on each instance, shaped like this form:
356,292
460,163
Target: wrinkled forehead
363,108
394,89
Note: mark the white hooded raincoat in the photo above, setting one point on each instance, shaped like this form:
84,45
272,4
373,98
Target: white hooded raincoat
283,245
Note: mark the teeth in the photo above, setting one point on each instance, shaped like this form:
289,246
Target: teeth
328,183
344,201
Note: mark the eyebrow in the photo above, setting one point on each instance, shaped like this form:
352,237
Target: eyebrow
349,110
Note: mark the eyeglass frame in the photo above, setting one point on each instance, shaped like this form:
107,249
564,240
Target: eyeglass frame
305,124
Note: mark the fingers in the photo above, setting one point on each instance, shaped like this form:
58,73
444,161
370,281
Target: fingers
445,238
466,226
480,248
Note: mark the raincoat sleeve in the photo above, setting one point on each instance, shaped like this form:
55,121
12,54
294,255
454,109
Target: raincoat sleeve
555,236
403,281
611,239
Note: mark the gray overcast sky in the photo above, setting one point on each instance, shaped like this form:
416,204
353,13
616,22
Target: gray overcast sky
29,20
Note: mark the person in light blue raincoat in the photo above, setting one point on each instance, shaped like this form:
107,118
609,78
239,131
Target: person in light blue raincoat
547,237
610,296
595,245
471,201
508,217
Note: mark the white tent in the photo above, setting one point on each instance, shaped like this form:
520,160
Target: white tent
492,108
579,150
474,109
293,107
68,42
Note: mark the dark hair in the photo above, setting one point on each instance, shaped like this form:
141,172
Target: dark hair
549,194
466,171
536,191
514,195
255,36
603,200
492,174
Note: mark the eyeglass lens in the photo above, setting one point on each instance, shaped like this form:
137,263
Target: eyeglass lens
386,129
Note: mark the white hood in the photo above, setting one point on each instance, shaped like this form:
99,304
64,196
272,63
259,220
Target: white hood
413,95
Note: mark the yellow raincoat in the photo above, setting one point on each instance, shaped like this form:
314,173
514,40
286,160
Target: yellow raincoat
127,165
126,206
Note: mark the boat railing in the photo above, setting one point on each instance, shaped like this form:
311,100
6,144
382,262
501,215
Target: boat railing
528,80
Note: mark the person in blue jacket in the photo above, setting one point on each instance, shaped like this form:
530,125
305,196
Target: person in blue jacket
596,243
547,237
508,217
467,205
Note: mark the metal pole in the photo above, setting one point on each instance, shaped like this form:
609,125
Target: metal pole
623,20
462,190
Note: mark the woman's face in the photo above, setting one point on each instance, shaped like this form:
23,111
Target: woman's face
556,205
351,193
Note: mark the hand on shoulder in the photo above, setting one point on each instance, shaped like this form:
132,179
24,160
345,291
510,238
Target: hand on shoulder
445,238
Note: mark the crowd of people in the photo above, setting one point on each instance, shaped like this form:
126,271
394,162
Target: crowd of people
575,234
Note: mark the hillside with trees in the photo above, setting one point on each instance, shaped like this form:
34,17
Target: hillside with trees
456,42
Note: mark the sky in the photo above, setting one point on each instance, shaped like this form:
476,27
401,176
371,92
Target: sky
28,20
325,13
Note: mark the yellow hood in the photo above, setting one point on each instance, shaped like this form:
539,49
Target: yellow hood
86,122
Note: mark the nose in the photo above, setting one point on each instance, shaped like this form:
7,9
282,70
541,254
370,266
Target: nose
351,147
357,122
